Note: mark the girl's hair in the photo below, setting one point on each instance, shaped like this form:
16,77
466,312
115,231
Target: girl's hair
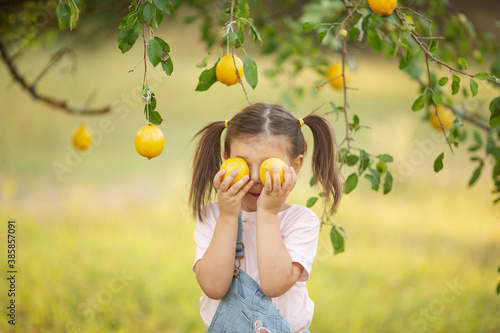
270,119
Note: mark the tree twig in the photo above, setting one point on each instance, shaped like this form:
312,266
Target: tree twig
231,18
416,38
145,53
31,89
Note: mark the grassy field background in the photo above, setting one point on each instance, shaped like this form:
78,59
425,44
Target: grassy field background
108,246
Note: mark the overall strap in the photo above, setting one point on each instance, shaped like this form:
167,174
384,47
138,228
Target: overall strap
239,240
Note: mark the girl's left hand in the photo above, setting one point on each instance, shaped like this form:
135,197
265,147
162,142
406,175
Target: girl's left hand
274,194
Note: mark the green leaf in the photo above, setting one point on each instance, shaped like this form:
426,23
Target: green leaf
374,178
243,10
322,36
455,85
207,79
250,71
232,37
436,98
462,62
385,158
476,174
128,36
351,183
443,81
311,201
409,20
155,52
149,13
334,108
158,17
75,13
495,112
388,183
351,160
167,65
164,5
498,288
418,104
477,139
255,32
482,76
155,118
473,87
381,167
204,62
309,26
337,241
438,163
63,12
374,40
128,20
364,161
164,46
312,181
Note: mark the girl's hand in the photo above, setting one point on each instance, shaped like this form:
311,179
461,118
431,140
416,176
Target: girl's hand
230,196
274,195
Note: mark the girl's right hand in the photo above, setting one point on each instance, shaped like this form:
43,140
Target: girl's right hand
230,196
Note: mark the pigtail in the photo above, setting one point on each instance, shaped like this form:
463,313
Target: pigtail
207,161
324,159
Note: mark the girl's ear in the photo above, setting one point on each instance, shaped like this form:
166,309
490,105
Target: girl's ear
297,163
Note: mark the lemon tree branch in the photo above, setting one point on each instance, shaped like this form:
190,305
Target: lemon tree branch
31,89
231,19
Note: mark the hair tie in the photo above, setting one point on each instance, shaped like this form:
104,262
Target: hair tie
226,123
301,121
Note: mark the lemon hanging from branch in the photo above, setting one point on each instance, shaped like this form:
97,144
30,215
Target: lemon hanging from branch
383,7
149,141
446,115
226,72
82,138
334,75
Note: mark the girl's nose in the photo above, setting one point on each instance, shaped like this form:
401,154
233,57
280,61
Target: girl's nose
254,174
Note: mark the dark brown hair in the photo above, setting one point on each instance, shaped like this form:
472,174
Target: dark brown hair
264,118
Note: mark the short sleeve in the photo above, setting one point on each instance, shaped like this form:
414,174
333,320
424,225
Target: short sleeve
300,232
204,229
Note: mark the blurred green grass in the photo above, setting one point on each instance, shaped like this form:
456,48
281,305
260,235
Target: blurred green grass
118,214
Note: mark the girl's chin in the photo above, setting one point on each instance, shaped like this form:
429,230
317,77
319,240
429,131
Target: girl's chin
250,202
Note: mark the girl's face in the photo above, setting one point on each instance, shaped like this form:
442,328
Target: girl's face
255,150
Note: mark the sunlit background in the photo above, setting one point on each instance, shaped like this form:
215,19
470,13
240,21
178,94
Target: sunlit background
106,243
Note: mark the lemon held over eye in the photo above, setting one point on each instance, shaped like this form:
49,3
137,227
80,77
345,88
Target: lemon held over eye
235,163
267,166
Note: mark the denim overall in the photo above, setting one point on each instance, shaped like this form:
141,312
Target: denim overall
245,308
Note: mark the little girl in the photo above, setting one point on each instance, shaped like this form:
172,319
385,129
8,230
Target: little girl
279,239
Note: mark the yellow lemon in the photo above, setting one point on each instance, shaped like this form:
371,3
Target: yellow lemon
149,141
267,166
226,72
446,115
82,138
383,7
335,75
235,163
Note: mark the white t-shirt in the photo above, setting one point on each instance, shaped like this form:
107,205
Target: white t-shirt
299,230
